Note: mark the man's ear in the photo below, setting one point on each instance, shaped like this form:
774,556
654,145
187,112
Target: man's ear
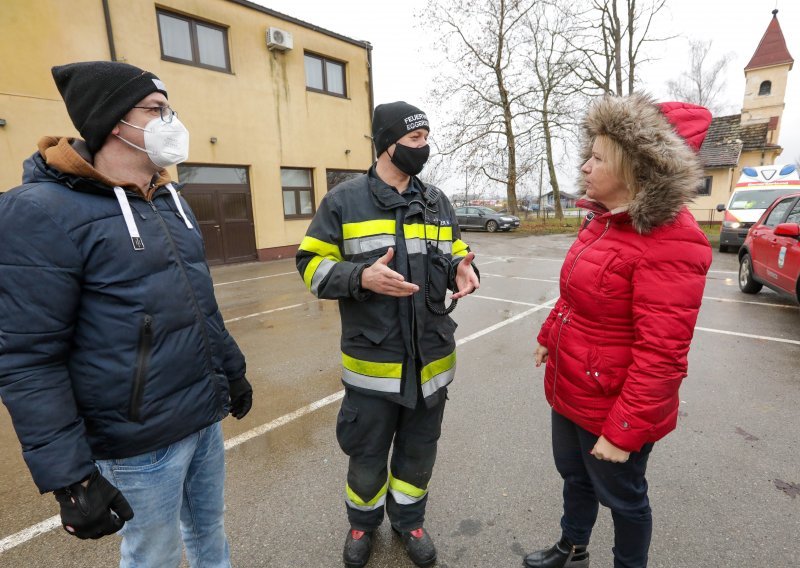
115,130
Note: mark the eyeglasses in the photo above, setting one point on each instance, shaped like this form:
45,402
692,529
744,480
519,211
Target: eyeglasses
165,112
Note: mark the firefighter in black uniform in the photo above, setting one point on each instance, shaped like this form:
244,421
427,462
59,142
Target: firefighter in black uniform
388,248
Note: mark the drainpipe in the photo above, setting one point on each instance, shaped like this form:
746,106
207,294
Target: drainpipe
368,47
112,50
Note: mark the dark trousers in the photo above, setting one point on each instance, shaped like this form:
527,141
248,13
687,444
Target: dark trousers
621,487
366,428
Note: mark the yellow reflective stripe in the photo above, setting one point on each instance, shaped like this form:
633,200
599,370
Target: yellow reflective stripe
321,248
360,502
371,369
439,366
368,228
311,268
404,487
460,248
418,231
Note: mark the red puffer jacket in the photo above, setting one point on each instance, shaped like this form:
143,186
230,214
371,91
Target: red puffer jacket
619,335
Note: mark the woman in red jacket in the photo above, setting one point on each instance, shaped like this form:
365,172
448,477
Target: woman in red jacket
615,344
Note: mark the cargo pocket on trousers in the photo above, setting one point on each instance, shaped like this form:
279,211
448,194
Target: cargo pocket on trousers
346,430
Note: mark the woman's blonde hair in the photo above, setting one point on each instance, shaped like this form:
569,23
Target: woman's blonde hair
620,163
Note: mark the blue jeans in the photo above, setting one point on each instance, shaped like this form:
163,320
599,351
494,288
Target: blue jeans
174,491
621,487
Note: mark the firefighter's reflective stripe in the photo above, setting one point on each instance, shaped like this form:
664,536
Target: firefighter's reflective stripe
355,502
328,255
368,228
438,374
460,248
367,244
430,232
383,377
418,246
405,493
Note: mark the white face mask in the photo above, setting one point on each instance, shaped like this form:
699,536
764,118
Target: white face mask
167,143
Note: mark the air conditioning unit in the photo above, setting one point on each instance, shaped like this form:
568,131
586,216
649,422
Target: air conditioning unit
278,39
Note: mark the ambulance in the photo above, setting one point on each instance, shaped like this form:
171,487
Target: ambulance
755,191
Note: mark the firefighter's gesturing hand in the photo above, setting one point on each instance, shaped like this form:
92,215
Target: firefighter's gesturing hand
381,279
466,279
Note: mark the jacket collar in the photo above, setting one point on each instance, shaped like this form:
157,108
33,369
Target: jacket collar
70,157
618,215
387,197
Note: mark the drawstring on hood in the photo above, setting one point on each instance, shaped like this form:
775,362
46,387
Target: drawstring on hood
70,156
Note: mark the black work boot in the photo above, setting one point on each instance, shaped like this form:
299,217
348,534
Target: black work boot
419,546
357,548
561,555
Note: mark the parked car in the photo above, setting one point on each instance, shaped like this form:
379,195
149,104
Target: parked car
758,186
486,219
770,255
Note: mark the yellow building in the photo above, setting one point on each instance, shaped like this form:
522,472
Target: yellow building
279,110
750,138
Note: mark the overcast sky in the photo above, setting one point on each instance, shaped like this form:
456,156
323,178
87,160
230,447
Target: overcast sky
401,46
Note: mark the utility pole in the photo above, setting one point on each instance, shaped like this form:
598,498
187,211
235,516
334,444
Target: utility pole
541,170
466,199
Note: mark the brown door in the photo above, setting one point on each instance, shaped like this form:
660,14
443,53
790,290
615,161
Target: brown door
224,211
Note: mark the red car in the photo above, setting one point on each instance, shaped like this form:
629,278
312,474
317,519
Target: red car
770,255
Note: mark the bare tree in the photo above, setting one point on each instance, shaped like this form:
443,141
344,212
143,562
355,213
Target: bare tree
559,98
612,41
703,82
491,129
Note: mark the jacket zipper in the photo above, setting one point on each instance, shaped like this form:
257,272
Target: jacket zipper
195,304
145,341
565,319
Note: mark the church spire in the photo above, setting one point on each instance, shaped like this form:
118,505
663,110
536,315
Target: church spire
771,49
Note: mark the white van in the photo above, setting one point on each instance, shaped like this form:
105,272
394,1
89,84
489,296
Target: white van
755,191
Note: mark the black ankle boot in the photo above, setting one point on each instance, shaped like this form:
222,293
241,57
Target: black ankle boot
357,548
561,555
419,546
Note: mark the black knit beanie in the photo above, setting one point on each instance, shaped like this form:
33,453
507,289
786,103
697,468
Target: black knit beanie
392,121
99,93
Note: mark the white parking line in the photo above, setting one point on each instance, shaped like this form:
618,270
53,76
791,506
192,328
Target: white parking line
771,305
551,280
267,312
251,279
482,297
748,335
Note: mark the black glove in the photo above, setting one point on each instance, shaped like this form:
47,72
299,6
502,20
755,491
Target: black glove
241,397
93,511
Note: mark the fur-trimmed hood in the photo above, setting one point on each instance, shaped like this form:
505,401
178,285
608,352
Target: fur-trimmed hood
667,169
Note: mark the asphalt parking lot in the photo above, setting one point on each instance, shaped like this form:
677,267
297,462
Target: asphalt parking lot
725,486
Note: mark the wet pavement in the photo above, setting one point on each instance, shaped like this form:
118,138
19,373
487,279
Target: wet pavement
725,486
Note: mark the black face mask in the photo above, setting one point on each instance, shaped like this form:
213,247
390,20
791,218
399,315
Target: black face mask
410,160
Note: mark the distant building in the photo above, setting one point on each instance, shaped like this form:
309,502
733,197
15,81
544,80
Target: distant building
567,200
278,109
750,138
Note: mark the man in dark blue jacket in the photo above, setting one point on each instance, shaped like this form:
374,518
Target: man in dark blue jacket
115,364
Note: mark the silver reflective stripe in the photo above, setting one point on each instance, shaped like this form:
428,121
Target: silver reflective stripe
366,244
371,383
402,499
321,272
417,246
179,206
127,214
438,381
378,503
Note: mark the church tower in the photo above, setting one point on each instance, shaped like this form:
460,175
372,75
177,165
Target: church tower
765,81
